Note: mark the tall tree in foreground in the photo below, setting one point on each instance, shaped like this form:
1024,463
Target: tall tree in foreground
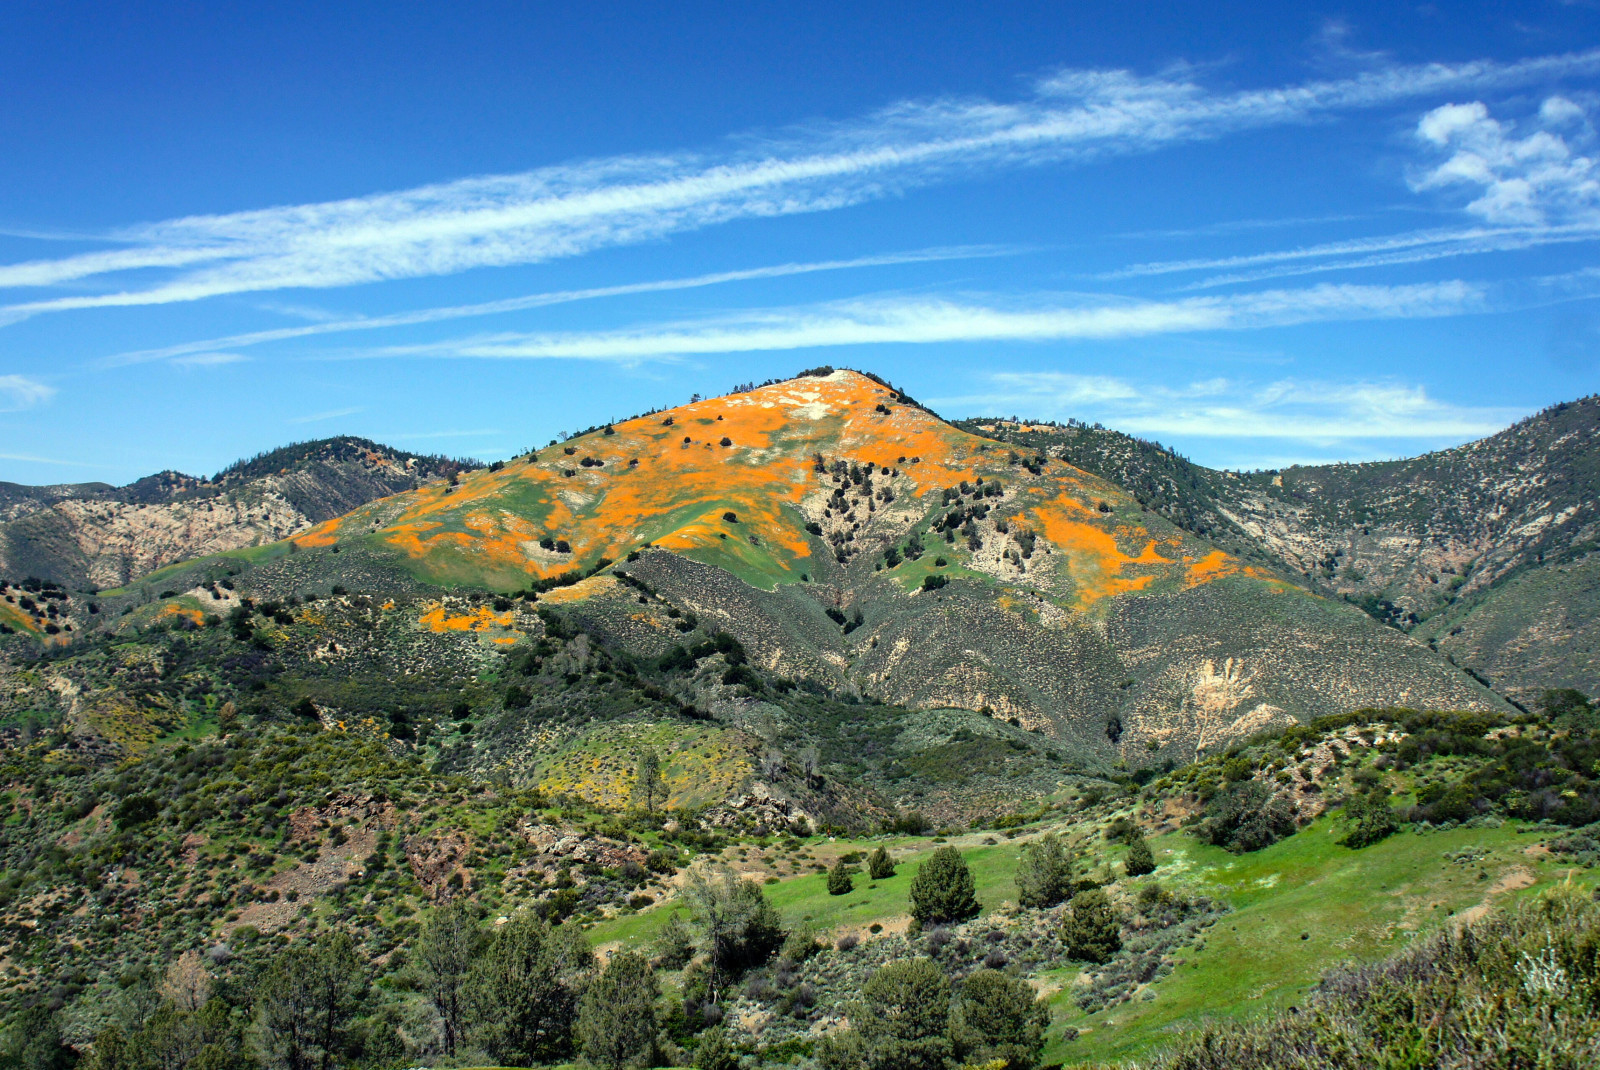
307,1002
942,891
519,993
998,1018
617,1019
901,1023
449,942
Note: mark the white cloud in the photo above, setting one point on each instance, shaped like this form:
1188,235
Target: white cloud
18,392
35,459
571,209
410,435
1314,412
919,320
558,297
331,414
1408,248
1532,180
208,359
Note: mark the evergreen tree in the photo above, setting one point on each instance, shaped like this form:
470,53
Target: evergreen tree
714,1051
648,787
1091,932
879,865
307,1002
905,1017
942,890
1140,860
1044,876
617,1019
840,879
518,998
998,1018
444,952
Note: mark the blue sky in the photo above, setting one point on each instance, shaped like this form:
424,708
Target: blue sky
1263,234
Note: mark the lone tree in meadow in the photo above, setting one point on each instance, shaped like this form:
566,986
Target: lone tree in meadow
880,865
1044,876
1140,860
648,787
840,879
942,891
1091,932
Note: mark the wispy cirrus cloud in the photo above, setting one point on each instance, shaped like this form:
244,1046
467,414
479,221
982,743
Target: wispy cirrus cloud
331,414
572,209
543,300
926,320
1314,412
18,392
208,359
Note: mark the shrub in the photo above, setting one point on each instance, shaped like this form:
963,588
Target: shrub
1044,876
933,583
1369,818
517,698
1091,932
715,1052
942,890
731,517
1247,817
879,865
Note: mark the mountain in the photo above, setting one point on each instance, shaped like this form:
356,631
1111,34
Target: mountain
1485,551
848,540
96,535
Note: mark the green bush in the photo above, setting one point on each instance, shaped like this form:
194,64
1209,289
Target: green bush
901,1023
1369,818
617,1019
879,865
1247,817
942,891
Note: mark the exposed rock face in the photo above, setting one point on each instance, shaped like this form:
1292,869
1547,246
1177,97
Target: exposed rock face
92,534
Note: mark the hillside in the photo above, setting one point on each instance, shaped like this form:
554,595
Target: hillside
1484,550
850,541
87,535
